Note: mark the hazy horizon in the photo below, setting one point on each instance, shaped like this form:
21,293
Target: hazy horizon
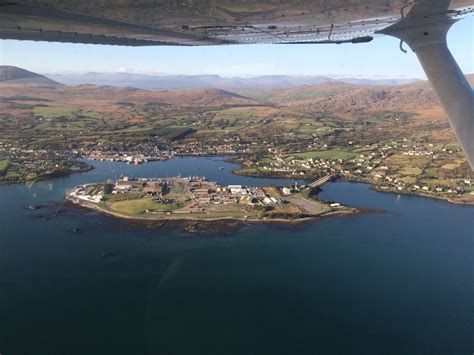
242,76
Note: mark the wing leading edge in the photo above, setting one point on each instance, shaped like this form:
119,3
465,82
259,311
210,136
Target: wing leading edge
203,22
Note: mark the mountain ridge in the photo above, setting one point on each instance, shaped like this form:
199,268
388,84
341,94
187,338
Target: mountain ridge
179,82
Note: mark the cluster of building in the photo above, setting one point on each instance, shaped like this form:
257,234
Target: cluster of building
370,165
27,163
191,192
129,157
198,189
144,153
227,147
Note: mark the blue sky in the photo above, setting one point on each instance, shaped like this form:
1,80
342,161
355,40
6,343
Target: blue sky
380,58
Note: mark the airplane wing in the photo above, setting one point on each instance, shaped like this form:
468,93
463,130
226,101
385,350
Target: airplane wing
422,24
203,22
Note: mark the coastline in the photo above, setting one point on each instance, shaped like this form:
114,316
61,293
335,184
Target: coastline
84,168
433,197
232,159
123,216
374,186
404,193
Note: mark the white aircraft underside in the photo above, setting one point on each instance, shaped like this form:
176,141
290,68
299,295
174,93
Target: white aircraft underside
422,24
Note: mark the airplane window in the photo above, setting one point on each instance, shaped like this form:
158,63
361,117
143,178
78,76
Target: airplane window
236,177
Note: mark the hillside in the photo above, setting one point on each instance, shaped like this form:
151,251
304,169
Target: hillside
110,98
11,74
292,114
341,99
349,100
347,97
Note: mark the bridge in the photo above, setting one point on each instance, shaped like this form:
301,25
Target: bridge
320,182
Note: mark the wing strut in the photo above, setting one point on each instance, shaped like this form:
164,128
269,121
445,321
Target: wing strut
425,30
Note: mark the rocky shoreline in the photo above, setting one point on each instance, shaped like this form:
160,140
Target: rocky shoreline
303,218
213,226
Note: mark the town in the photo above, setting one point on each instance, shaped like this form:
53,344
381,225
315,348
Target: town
198,198
22,163
400,166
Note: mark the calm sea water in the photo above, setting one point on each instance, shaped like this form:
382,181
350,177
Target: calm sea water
398,282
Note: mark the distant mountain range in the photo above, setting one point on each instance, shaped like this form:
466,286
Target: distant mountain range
179,82
11,74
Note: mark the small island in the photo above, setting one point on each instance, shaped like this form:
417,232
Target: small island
196,198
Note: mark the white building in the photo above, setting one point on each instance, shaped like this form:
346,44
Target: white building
236,190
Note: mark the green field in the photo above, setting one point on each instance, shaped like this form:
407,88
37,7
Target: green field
436,182
53,112
120,197
247,171
242,112
430,172
13,175
450,166
4,166
411,170
65,126
136,207
326,154
91,115
408,179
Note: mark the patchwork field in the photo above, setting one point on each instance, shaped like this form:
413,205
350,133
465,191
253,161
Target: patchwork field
3,166
326,154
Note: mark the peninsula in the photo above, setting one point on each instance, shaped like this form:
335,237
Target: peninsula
196,198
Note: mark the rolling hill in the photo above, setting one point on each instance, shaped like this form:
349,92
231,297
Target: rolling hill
11,74
349,98
410,109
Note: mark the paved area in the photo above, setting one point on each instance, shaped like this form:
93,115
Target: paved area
306,205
